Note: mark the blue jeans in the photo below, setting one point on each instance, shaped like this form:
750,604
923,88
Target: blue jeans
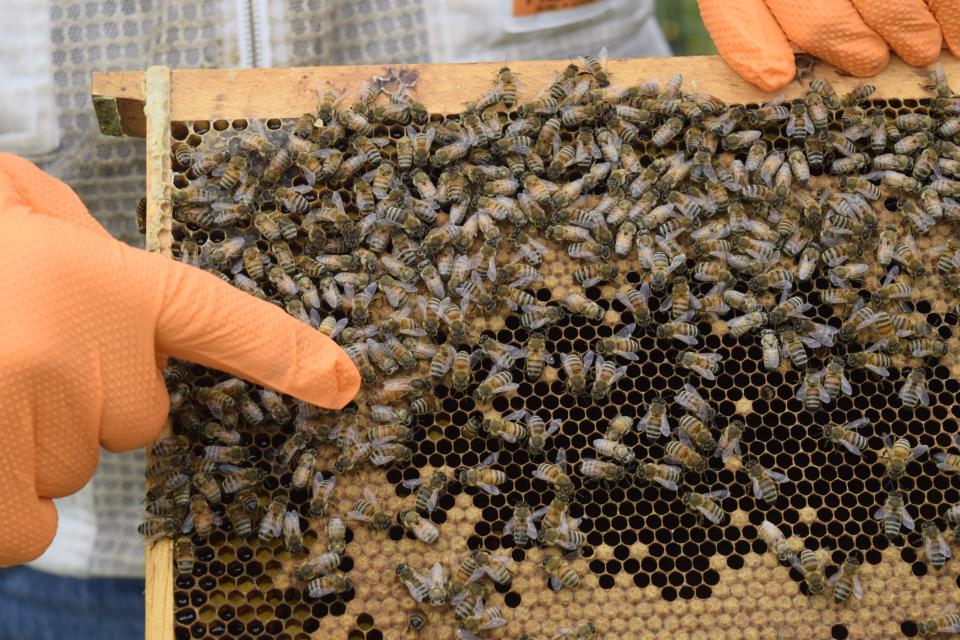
41,606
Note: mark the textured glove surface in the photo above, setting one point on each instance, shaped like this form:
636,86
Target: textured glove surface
754,36
82,318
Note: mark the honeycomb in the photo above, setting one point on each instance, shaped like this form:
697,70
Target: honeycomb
650,569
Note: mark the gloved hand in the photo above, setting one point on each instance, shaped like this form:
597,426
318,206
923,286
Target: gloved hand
82,319
754,36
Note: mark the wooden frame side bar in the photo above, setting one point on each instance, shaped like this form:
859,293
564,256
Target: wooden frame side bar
156,111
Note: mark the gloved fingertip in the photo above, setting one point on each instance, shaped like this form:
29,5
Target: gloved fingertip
772,78
923,53
947,13
868,61
749,39
25,537
348,380
907,26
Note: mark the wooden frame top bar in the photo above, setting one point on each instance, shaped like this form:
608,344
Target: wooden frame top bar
211,94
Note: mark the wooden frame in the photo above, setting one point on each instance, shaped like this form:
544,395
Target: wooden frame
143,104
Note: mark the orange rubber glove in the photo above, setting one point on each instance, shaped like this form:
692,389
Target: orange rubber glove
754,36
82,319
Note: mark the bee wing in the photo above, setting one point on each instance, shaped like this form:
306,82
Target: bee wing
619,373
490,460
426,531
776,477
879,514
918,451
187,524
704,373
412,483
852,448
757,491
371,497
929,545
893,273
627,330
562,458
555,583
719,494
710,515
552,427
857,587
519,414
432,501
907,519
771,531
532,532
845,385
510,525
538,514
587,360
437,576
880,371
492,489
832,580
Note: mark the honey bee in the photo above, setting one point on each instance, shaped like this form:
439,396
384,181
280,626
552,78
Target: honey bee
184,555
729,443
422,588
680,330
669,130
811,391
913,392
428,492
367,509
871,360
292,535
775,540
155,528
948,462
555,474
655,423
560,573
742,325
614,449
693,432
764,481
677,452
896,455
606,471
703,363
692,401
606,375
483,476
847,435
944,623
934,546
423,529
811,568
705,504
894,515
771,349
322,564
336,582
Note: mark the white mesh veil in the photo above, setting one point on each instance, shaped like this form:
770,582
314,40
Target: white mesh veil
97,535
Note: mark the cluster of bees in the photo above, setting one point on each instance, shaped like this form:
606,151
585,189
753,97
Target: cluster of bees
400,246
